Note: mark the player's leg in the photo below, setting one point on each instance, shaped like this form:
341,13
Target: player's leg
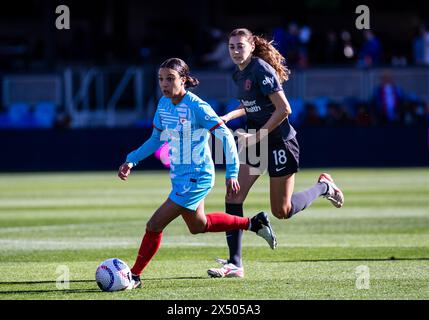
281,190
151,242
283,164
234,206
285,203
195,220
246,181
198,222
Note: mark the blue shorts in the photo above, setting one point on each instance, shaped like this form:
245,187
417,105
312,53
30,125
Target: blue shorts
189,195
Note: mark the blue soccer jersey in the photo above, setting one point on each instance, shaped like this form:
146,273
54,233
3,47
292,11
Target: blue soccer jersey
187,127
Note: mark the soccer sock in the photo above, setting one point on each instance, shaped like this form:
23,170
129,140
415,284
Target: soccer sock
304,199
148,248
233,238
220,221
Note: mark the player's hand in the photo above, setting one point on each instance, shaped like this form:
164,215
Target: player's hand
224,118
245,140
124,171
232,186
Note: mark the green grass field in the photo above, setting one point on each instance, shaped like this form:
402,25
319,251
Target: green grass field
76,220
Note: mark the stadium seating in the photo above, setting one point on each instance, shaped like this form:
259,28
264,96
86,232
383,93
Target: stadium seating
44,114
297,105
18,115
321,104
23,115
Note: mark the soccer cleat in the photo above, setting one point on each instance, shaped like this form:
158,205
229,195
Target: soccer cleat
221,261
334,194
228,270
262,226
135,282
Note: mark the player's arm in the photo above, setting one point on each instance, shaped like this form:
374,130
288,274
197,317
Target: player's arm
234,114
146,149
282,111
229,148
231,157
210,120
271,87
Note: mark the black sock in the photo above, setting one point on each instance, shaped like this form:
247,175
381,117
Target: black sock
233,238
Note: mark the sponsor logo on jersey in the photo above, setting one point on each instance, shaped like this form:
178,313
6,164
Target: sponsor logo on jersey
268,80
251,106
211,117
253,109
248,103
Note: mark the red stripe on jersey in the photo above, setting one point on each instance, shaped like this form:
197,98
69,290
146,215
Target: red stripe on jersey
156,128
216,126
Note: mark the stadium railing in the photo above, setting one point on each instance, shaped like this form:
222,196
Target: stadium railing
118,96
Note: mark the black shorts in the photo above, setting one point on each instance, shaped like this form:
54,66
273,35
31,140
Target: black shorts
283,158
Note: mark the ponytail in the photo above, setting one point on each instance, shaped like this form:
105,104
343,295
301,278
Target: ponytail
191,82
267,52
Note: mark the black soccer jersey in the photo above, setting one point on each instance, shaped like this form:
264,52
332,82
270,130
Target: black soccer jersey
255,83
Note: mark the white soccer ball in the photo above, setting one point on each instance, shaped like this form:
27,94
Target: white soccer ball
113,275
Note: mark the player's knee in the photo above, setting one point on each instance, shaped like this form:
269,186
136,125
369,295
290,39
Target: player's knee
279,214
153,226
282,212
196,229
235,198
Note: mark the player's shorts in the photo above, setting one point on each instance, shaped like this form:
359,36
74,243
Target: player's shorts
283,158
190,193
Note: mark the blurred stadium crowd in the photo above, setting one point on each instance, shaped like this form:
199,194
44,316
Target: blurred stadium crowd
314,35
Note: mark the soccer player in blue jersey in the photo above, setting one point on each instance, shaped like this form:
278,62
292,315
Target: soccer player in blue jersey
259,76
185,122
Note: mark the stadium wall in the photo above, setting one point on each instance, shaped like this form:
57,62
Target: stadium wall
103,149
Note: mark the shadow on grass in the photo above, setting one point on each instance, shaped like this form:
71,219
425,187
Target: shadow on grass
46,290
43,282
88,281
356,259
174,278
74,281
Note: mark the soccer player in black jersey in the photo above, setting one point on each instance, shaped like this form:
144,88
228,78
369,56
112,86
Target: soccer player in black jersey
260,73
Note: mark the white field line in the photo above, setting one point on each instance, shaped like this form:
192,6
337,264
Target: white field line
358,241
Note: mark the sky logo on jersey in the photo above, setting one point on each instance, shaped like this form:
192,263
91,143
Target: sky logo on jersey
268,80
